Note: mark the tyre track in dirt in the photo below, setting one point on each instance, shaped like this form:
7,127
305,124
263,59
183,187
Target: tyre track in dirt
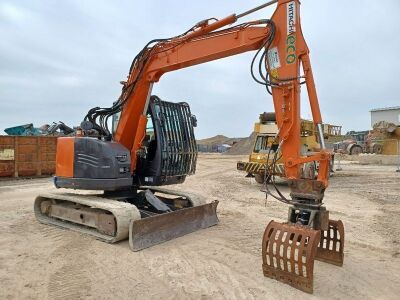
73,275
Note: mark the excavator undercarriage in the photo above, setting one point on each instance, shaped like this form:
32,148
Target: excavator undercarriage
148,217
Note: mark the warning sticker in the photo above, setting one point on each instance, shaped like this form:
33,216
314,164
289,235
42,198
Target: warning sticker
7,154
273,58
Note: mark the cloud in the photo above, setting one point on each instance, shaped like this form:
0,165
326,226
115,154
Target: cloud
68,81
60,58
13,13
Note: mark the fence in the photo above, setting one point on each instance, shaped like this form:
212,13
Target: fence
27,155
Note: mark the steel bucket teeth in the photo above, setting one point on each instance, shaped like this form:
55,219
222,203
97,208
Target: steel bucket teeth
288,253
330,248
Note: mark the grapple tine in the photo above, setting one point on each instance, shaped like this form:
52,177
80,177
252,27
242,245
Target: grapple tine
288,253
330,248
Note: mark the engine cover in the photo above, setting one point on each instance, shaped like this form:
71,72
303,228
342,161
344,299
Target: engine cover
92,164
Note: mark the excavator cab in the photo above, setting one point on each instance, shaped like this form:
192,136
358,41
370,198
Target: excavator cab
169,150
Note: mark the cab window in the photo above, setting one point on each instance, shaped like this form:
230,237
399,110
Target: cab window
263,143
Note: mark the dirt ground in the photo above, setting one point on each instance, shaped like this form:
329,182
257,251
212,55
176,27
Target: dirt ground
222,262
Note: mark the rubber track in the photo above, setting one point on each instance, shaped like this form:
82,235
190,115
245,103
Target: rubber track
123,213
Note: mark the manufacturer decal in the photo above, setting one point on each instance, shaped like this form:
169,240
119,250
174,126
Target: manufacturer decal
290,49
291,18
291,29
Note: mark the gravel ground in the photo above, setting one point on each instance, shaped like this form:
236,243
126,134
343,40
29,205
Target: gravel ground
222,262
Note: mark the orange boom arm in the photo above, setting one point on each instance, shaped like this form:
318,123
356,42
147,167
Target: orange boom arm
205,44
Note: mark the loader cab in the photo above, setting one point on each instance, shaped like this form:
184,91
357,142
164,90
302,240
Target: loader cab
265,144
169,151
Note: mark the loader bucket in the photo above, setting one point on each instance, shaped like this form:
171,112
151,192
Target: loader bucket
160,228
330,248
288,253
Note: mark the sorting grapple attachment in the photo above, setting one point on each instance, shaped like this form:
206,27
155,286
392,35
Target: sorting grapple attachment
288,253
330,248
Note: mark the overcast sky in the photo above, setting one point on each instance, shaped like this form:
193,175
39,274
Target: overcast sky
60,58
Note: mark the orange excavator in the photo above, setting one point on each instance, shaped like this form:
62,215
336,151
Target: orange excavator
154,145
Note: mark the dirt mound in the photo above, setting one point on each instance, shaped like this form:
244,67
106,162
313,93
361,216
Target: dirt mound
211,144
243,147
218,139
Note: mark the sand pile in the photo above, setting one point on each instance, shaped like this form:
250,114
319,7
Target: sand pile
243,147
210,144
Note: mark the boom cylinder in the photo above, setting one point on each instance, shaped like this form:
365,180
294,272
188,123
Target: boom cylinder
226,21
209,28
321,136
256,8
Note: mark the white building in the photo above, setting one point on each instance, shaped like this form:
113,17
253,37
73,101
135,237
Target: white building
388,114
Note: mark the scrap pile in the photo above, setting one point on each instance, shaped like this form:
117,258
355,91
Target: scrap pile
55,129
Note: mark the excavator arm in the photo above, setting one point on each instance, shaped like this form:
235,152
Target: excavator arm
205,44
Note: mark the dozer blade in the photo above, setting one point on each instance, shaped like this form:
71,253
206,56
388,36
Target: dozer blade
330,248
157,229
288,253
105,219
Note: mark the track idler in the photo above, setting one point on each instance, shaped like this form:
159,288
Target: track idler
289,251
